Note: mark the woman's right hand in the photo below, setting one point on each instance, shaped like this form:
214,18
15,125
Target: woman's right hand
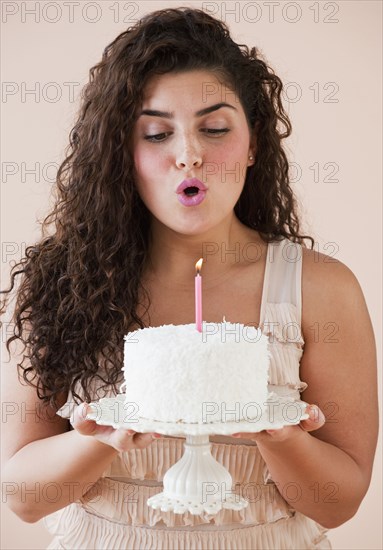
121,439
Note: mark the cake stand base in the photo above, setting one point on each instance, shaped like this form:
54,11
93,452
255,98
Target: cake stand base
197,483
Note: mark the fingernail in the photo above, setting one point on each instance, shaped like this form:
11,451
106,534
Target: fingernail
321,417
316,414
313,413
84,409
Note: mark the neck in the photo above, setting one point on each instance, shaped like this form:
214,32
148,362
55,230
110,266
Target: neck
172,256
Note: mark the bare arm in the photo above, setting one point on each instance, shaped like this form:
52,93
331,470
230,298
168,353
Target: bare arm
45,466
50,473
328,471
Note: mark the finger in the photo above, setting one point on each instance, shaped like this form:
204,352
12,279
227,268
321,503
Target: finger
276,434
154,435
80,422
315,421
273,432
243,435
125,440
141,440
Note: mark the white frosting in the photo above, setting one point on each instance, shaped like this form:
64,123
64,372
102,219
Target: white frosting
173,373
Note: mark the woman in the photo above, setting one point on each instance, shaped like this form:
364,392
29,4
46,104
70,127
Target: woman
175,99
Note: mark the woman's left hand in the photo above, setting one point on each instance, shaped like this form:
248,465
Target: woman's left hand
315,421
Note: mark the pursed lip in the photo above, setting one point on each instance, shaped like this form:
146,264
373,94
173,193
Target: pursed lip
192,182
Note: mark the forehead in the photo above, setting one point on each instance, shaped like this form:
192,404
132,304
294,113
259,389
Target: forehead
200,86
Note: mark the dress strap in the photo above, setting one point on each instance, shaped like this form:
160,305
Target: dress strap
283,276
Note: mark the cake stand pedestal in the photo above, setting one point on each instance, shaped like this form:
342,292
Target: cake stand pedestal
197,483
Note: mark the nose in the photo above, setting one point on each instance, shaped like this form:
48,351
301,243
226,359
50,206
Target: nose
189,157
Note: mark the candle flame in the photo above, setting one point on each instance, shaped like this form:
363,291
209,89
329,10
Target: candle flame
198,265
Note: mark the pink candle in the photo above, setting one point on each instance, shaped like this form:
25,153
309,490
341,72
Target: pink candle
198,296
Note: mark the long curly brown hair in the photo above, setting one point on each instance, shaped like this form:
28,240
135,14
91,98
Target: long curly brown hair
80,284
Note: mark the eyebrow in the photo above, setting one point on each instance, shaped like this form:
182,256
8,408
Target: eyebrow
207,110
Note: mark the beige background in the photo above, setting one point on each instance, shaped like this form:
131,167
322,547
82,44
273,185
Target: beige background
328,55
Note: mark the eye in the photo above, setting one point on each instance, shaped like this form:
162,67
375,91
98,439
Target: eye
217,130
156,138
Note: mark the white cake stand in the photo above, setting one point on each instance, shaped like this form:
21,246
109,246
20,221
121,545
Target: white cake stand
197,483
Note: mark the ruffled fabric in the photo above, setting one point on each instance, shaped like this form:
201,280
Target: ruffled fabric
125,503
285,336
244,462
113,514
81,529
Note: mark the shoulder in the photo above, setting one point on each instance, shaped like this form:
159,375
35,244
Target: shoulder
324,270
330,290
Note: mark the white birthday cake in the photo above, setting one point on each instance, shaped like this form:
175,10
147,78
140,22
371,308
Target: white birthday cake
173,373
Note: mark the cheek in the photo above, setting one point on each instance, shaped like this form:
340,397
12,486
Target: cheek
228,163
237,149
147,164
150,175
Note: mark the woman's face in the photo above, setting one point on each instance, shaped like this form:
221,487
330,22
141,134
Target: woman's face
176,138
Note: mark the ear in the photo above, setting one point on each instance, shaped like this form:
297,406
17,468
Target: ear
253,143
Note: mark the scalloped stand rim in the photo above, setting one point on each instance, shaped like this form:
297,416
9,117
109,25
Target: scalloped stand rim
104,413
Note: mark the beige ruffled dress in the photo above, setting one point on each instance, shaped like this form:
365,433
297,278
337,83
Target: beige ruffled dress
114,515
